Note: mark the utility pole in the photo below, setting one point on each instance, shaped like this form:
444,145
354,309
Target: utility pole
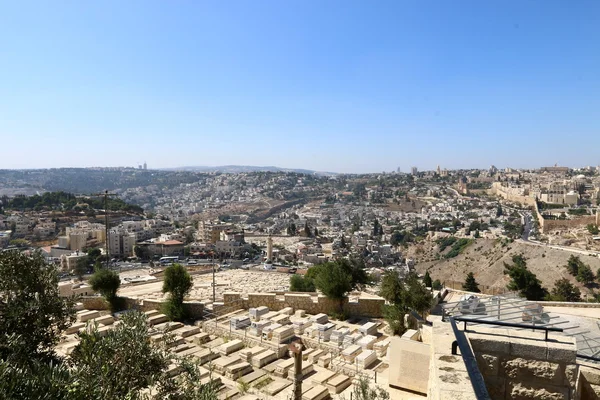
106,194
296,350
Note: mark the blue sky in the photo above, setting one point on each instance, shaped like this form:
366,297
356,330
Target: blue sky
339,86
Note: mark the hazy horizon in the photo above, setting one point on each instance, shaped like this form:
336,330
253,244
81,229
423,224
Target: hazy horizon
327,86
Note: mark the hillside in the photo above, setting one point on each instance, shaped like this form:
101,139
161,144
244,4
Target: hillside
486,258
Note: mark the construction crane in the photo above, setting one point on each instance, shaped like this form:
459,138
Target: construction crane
106,195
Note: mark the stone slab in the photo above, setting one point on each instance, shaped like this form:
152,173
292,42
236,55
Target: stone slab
409,364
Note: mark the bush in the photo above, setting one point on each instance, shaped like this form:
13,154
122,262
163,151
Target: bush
436,285
107,283
177,283
298,283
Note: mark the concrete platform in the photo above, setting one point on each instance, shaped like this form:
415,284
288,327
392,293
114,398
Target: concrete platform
157,319
254,376
282,368
247,353
205,355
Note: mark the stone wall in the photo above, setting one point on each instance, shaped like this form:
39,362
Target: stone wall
521,365
195,309
550,224
312,304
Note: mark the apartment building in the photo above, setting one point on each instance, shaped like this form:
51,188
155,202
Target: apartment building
209,232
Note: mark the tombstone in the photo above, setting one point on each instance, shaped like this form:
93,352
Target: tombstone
281,319
338,383
366,358
239,322
256,313
325,330
267,331
230,347
282,334
287,311
370,328
337,336
320,318
257,327
367,342
350,353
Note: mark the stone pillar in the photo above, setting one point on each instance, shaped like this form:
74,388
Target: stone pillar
269,249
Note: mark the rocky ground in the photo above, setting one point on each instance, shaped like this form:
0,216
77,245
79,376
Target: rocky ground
486,258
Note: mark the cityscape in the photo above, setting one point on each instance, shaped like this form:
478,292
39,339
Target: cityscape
300,200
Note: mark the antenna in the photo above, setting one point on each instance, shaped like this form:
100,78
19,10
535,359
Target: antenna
105,194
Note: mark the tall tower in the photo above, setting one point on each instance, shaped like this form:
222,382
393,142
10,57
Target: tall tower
145,165
269,249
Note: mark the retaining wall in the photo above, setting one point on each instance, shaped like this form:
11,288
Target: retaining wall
521,365
362,307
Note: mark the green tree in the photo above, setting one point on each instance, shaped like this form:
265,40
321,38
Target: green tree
585,275
32,314
564,290
343,242
404,296
142,252
593,229
307,231
334,281
471,284
120,363
427,280
81,267
499,211
107,283
573,264
316,232
178,283
93,254
523,280
298,283
477,235
437,285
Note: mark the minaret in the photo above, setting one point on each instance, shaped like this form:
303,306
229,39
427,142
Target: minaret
269,249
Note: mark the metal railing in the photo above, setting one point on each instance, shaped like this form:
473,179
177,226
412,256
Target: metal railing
507,324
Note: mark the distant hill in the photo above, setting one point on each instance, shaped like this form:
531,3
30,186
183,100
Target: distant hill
232,169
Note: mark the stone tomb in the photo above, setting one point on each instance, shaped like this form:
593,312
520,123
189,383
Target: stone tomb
287,311
367,342
237,370
263,358
320,318
257,327
338,383
205,355
324,331
267,332
370,328
276,386
351,339
282,368
317,392
322,377
256,313
239,322
222,362
248,353
269,315
188,331
301,324
337,336
350,353
198,338
281,319
282,334
85,315
366,358
232,346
